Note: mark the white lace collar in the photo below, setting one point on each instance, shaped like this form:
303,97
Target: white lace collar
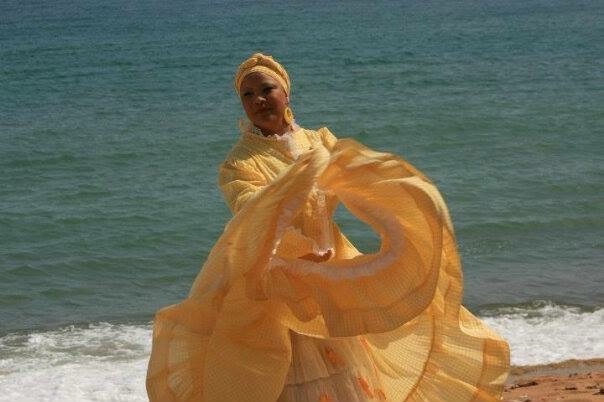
248,129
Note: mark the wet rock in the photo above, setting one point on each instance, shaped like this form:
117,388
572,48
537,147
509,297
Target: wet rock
525,384
521,398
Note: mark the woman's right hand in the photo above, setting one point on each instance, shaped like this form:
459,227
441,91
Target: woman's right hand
318,257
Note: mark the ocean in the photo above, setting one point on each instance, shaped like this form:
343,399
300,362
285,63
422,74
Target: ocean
115,115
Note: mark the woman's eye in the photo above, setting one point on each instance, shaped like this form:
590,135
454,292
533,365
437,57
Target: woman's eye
247,94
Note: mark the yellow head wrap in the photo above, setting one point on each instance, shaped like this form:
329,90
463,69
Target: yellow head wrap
265,64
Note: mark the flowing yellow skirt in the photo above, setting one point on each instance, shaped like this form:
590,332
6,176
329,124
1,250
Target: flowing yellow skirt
260,324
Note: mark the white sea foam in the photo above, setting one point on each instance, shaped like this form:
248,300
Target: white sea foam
102,362
547,333
107,362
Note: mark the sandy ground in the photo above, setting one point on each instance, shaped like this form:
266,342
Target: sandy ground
569,381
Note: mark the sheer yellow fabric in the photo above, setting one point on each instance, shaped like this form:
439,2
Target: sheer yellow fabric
262,324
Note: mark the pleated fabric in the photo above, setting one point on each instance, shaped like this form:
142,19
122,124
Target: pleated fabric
264,323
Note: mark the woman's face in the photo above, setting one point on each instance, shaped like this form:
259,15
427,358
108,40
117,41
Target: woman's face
264,102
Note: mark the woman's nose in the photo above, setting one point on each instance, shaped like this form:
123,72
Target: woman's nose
259,99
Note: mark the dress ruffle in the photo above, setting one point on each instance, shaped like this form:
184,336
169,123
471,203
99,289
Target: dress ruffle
260,324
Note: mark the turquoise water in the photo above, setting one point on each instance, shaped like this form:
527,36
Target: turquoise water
114,117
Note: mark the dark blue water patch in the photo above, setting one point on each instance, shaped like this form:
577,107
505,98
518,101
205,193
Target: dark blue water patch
21,271
59,301
46,162
542,227
65,293
359,233
512,276
6,300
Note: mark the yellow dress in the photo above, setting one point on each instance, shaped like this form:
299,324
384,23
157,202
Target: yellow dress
262,324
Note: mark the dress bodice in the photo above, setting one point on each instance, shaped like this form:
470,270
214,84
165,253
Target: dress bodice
265,158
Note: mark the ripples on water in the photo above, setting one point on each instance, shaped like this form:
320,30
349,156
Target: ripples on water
115,116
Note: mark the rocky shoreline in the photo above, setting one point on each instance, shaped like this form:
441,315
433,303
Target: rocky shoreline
570,381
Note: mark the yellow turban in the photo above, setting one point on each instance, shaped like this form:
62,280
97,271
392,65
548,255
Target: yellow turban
260,63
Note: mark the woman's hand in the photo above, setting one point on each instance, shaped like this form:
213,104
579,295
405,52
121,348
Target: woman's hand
317,257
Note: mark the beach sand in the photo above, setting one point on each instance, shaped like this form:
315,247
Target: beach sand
569,381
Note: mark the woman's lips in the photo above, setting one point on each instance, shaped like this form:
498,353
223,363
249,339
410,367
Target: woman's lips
264,111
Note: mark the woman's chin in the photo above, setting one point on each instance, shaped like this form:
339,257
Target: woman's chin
269,125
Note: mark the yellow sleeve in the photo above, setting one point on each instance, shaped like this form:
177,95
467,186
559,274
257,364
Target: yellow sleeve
327,138
239,181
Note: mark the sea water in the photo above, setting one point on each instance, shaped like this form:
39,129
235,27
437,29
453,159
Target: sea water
115,115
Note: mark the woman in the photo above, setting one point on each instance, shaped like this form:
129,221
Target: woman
285,308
